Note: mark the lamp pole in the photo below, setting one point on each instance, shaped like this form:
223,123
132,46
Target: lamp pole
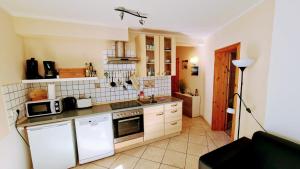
241,96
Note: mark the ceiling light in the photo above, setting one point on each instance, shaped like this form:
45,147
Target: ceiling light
123,10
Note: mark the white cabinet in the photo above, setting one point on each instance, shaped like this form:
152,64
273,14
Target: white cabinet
162,120
154,122
52,146
173,117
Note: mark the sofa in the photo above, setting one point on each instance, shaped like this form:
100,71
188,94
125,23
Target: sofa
264,151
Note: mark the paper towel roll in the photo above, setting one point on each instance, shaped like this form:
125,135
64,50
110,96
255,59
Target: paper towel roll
51,91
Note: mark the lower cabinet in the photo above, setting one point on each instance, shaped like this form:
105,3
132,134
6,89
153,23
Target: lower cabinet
154,122
162,120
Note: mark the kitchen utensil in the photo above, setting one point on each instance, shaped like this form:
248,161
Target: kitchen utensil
112,83
119,81
37,94
69,103
51,91
71,72
128,80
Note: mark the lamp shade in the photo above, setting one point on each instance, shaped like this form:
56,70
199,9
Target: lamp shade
230,110
244,62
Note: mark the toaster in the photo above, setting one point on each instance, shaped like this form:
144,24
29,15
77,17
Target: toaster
84,103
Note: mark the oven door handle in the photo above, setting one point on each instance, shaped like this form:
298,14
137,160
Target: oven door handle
135,118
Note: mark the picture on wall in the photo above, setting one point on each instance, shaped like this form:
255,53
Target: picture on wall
185,64
195,70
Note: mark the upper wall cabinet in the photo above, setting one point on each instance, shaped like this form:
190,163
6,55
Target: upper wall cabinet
157,55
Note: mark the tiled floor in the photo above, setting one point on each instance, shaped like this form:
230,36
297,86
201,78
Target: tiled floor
182,151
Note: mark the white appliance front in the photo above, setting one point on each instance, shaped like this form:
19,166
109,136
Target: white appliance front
52,146
94,137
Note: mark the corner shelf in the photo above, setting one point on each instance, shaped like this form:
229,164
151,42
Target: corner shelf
58,80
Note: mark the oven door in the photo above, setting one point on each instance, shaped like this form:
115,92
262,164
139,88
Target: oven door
38,109
128,128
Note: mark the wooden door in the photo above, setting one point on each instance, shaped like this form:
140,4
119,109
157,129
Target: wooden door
220,90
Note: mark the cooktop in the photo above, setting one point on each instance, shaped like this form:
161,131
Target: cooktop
125,104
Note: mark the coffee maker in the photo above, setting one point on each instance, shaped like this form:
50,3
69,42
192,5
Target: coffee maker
50,71
32,71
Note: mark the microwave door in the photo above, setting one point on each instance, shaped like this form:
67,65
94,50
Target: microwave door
39,109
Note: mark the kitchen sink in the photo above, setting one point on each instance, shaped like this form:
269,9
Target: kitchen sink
148,101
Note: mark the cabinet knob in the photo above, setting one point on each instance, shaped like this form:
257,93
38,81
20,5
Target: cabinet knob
174,105
160,114
174,111
173,123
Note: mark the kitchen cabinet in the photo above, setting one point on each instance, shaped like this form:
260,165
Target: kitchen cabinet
157,55
154,120
173,117
162,120
52,146
191,104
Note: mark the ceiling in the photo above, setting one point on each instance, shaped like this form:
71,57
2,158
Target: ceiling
198,18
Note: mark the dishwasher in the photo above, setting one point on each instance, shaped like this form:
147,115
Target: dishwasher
95,138
52,146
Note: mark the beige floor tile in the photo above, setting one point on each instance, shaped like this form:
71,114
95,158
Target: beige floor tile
80,166
124,162
146,164
177,145
93,166
174,158
136,152
181,137
196,149
154,154
164,166
197,139
161,144
191,162
107,162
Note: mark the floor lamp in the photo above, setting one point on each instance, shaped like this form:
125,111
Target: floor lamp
242,64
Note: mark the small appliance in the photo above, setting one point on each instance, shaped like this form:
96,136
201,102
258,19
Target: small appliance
84,103
69,103
32,71
50,71
43,107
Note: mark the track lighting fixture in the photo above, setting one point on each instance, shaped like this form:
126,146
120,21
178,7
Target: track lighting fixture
123,10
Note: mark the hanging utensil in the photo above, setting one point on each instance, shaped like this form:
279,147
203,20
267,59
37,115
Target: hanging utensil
112,83
118,75
128,80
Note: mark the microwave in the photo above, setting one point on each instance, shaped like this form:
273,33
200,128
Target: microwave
43,107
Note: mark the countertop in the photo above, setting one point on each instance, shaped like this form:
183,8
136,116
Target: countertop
95,110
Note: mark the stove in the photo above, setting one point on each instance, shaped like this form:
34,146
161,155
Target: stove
125,104
128,124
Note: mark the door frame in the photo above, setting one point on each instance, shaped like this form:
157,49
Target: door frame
234,47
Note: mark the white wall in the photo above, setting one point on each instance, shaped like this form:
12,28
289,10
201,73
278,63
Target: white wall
283,112
13,152
254,31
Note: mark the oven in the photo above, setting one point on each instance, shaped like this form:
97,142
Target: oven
128,125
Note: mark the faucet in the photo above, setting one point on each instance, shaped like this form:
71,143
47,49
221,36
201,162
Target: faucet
152,99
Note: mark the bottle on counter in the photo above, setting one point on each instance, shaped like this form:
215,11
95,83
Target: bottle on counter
87,71
196,92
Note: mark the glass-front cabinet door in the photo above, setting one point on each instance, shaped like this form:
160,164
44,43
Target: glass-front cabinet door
167,56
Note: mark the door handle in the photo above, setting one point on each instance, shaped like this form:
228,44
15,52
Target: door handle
160,114
174,105
173,123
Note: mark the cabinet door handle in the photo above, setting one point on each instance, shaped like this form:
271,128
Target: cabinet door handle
174,111
174,105
160,114
173,123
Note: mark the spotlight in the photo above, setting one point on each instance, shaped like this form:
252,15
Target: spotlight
121,15
142,22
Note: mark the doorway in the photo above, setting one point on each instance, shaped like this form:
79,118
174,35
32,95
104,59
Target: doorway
224,87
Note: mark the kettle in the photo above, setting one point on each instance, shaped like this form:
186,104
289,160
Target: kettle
69,103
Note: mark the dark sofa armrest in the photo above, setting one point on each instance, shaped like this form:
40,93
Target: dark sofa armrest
221,156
